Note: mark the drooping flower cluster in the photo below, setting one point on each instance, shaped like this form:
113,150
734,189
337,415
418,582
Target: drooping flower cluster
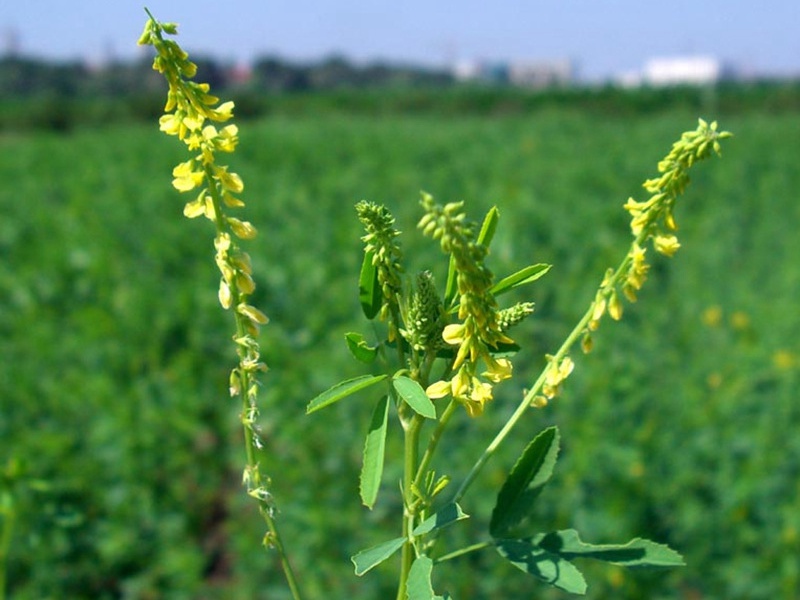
653,220
480,330
188,110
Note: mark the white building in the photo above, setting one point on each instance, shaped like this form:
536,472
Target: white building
691,70
541,74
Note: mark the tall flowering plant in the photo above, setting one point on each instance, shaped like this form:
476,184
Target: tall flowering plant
449,348
440,348
190,115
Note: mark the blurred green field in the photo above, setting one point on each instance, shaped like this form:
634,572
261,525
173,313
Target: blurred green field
681,426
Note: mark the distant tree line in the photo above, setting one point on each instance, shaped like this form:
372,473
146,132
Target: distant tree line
39,94
23,77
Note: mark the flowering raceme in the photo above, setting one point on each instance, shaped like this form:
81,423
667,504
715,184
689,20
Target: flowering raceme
480,330
188,109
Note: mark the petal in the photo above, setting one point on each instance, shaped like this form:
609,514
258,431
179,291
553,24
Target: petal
440,389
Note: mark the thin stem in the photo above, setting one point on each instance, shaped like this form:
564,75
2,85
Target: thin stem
5,541
256,485
436,436
463,551
410,459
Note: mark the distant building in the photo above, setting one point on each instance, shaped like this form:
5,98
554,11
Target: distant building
533,74
487,72
541,74
689,70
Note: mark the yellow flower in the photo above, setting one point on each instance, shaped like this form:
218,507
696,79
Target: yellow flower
242,229
229,181
252,313
224,294
480,394
499,369
440,389
453,334
186,178
666,244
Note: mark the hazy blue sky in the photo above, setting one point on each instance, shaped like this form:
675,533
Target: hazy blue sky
602,36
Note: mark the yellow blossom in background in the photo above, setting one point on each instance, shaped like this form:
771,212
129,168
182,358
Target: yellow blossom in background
784,360
712,316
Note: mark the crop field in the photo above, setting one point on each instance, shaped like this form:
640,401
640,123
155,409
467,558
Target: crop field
121,447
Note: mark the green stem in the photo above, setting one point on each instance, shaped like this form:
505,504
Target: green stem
5,541
255,481
436,436
463,551
410,460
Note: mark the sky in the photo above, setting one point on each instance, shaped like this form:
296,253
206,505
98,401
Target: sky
604,38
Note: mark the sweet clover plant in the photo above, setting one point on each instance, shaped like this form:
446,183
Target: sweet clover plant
435,348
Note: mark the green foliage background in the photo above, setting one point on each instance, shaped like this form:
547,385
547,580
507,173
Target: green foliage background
681,426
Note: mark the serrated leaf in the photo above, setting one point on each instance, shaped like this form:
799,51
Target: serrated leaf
374,448
525,482
342,390
546,566
372,557
520,278
413,395
443,517
359,348
636,553
369,291
489,227
419,586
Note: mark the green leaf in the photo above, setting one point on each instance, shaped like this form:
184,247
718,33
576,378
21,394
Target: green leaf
636,553
369,292
413,395
445,516
374,448
547,566
525,482
520,278
372,557
418,586
359,348
489,227
342,390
